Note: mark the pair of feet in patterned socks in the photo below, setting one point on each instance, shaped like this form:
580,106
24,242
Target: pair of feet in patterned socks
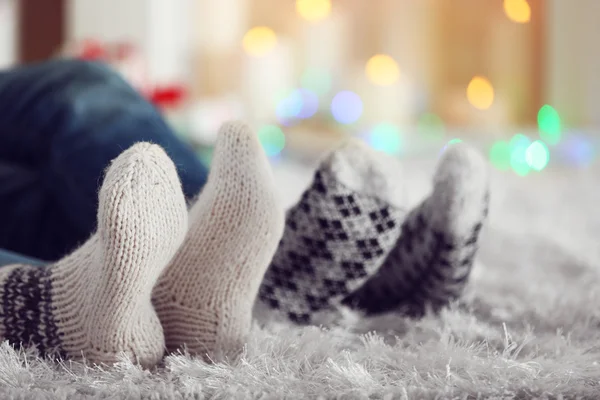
156,276
351,240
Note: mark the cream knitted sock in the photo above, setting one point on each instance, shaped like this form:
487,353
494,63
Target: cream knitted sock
205,297
96,302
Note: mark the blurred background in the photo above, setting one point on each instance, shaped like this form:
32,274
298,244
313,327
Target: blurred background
519,78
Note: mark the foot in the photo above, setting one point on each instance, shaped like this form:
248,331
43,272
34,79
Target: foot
338,235
205,297
431,263
95,302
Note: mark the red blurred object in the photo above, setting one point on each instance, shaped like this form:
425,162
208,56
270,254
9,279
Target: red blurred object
124,50
93,50
168,96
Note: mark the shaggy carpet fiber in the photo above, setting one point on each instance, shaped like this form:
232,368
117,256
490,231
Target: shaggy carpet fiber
528,326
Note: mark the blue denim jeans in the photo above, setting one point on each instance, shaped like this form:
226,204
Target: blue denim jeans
8,258
61,123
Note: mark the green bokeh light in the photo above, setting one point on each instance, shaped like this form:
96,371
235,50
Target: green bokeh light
272,139
431,126
519,141
450,143
316,80
549,124
518,149
205,155
500,155
386,137
537,155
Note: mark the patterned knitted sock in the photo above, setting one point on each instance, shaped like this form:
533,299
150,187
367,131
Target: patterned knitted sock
431,263
96,302
205,297
339,233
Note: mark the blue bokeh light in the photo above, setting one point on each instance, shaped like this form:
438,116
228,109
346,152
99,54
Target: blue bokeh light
310,103
578,150
346,107
289,107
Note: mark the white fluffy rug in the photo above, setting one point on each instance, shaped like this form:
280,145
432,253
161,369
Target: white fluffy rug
533,330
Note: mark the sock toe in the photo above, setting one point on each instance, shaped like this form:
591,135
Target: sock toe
141,200
237,144
367,171
460,188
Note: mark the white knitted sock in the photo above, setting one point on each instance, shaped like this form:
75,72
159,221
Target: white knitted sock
204,299
96,302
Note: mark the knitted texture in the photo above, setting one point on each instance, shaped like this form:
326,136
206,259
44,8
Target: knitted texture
338,235
432,261
95,302
205,297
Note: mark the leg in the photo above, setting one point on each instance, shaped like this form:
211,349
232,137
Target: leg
96,301
61,123
8,257
205,297
431,263
337,236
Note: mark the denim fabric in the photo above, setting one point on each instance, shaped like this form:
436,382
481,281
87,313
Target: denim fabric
61,123
7,258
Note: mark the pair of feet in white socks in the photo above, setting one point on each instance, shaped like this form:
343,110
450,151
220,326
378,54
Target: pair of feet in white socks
156,276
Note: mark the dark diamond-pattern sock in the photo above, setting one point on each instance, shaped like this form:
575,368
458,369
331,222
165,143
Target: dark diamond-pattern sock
431,264
338,235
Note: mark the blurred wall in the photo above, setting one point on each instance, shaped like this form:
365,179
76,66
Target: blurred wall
8,32
573,61
162,28
175,34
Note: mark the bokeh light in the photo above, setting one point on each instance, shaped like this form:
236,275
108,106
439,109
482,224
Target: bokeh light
518,150
310,103
480,93
289,107
272,139
313,10
537,155
386,137
450,143
431,126
517,10
205,154
298,104
346,107
316,80
382,70
500,155
549,124
259,41
519,140
577,150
